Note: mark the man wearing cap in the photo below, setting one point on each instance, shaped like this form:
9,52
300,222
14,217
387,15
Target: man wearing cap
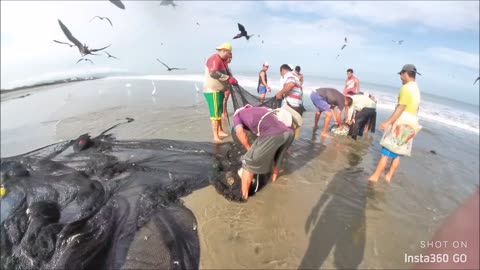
217,80
407,107
291,91
263,87
325,100
275,133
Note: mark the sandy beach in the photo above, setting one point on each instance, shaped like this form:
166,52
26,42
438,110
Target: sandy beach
321,213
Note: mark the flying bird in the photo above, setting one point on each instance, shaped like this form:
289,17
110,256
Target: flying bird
169,68
243,33
399,42
111,56
338,55
262,41
84,59
167,3
344,45
118,3
154,89
476,80
84,50
102,18
71,45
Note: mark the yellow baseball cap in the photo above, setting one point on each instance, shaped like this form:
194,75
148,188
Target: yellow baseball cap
225,46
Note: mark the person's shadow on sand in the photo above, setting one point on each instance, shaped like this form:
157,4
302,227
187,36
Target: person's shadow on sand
341,225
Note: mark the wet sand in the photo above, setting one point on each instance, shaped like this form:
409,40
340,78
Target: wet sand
321,212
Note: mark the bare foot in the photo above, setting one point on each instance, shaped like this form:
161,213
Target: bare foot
373,178
217,140
222,134
326,135
388,177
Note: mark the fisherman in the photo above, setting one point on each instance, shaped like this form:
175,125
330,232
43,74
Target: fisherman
291,92
217,81
262,86
275,133
328,100
361,111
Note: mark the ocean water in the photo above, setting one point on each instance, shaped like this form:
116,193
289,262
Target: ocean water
320,212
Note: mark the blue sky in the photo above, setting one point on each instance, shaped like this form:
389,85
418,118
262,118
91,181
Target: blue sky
441,39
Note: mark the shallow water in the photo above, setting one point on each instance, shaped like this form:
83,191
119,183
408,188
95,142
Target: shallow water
321,213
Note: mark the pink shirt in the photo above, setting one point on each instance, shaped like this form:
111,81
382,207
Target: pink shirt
351,88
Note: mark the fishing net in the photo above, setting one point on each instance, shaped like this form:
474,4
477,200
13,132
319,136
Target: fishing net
101,203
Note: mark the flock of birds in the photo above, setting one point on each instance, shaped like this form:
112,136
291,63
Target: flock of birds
85,50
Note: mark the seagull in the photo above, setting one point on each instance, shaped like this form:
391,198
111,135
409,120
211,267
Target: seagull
154,89
169,68
243,33
399,42
84,59
167,3
476,80
344,45
84,50
71,45
111,56
102,18
118,3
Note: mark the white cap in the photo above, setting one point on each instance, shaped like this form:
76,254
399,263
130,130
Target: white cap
266,64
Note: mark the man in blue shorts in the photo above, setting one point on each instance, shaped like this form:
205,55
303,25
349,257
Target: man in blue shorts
325,100
263,87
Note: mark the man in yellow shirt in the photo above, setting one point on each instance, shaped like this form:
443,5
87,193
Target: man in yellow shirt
408,101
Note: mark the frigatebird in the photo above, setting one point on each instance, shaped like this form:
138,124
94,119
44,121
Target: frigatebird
84,59
102,18
111,56
344,45
167,3
243,33
84,50
169,68
118,3
71,45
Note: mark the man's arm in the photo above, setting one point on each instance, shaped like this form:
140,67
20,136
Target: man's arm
242,136
357,84
350,114
398,111
286,87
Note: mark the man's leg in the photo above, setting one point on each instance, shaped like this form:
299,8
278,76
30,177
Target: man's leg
382,163
328,117
280,154
219,98
317,117
246,181
262,97
215,123
393,168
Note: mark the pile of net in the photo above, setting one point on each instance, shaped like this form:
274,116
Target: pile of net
102,203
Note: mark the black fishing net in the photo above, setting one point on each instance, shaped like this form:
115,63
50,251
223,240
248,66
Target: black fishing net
101,203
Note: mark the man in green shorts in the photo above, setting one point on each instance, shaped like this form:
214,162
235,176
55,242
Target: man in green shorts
216,83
